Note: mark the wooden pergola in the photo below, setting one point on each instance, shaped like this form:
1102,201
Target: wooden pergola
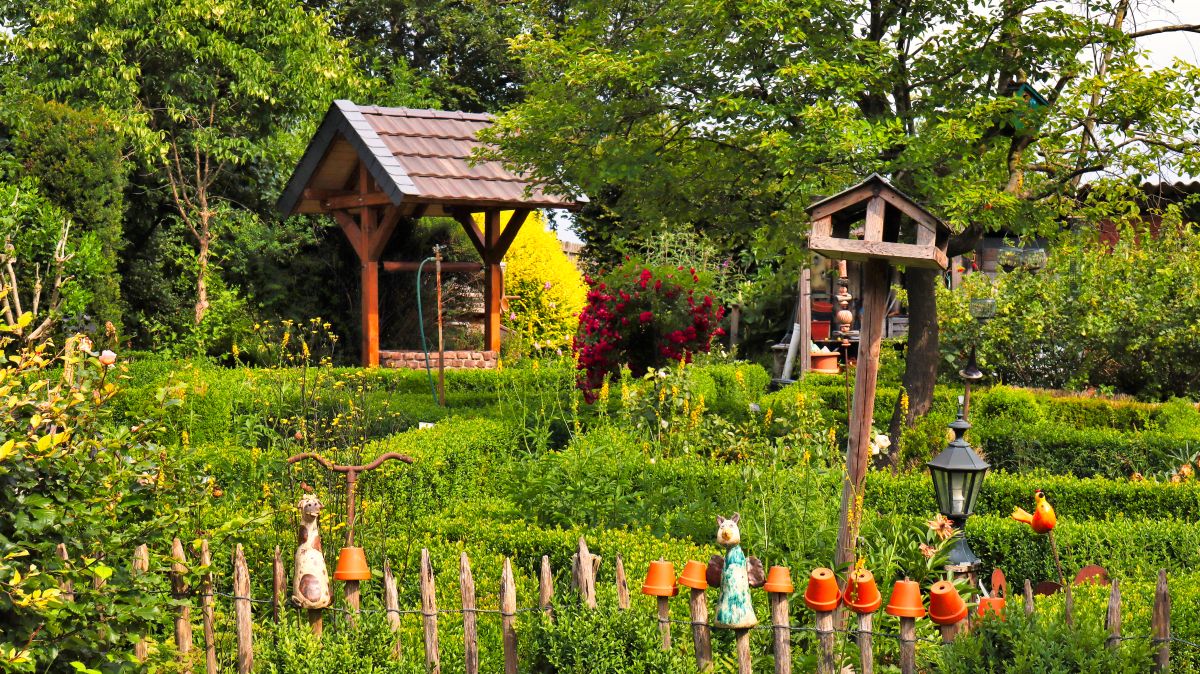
373,168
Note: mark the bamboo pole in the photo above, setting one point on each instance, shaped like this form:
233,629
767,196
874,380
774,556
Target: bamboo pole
866,653
278,583
179,588
1028,598
1160,624
65,587
546,588
391,604
1112,619
429,614
241,609
466,584
780,620
908,645
508,617
664,621
825,662
701,640
742,639
206,610
141,565
622,585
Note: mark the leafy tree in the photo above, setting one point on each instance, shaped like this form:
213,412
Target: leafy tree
730,116
199,89
547,289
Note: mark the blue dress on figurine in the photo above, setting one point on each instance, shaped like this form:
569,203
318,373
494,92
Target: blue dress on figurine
735,575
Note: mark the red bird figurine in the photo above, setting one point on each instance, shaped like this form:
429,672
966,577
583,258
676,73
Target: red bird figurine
1042,520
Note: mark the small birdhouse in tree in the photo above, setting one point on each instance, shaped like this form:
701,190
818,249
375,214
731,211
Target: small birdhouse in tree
1033,102
875,221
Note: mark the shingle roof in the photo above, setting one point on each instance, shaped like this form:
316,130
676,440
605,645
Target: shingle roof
417,156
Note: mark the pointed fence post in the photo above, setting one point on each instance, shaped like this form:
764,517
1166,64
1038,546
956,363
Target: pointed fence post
908,645
622,585
1028,598
141,564
466,583
433,659
742,639
584,567
701,639
1068,605
825,634
1160,624
508,613
241,609
391,604
781,622
206,610
278,583
179,589
546,588
664,621
1112,619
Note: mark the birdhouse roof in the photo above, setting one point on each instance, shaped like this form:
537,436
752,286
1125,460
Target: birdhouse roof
851,203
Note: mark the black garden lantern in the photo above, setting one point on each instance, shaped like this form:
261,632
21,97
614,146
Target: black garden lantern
958,474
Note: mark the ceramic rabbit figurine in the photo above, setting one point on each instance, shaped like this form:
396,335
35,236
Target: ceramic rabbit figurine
735,574
312,577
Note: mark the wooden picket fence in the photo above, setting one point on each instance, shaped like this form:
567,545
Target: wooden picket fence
585,566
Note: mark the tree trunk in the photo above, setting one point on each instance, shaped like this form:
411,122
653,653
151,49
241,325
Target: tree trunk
921,364
202,273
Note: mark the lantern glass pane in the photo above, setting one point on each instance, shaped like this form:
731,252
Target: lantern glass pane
958,498
941,488
972,491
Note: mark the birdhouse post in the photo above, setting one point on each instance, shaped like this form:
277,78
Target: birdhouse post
894,230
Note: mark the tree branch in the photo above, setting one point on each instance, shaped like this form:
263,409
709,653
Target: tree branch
1177,28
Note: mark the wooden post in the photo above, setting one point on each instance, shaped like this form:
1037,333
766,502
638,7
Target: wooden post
370,275
241,609
429,615
316,621
1112,619
1028,598
278,583
585,566
865,652
742,639
66,588
948,632
508,617
466,584
493,287
1068,605
735,320
353,600
908,645
391,604
664,621
780,620
804,320
1160,624
179,588
825,662
622,585
876,274
141,564
546,588
206,610
702,642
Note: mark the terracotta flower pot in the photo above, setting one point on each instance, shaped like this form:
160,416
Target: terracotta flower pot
779,580
861,595
946,607
824,363
660,580
693,575
352,565
822,593
906,600
992,605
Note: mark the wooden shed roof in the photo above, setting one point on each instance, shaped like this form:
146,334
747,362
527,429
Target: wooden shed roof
416,157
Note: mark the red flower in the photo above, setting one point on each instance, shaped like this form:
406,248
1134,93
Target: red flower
646,316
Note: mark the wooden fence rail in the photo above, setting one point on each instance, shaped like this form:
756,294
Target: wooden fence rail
585,566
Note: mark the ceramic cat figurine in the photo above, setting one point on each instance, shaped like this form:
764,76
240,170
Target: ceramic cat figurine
735,574
312,577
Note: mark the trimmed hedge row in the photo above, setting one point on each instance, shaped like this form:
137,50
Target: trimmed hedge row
1177,417
1084,452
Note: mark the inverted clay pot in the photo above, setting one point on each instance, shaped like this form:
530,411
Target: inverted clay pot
861,594
660,580
824,363
822,593
693,575
946,606
779,580
352,565
906,600
991,605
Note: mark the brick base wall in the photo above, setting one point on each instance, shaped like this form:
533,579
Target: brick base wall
455,360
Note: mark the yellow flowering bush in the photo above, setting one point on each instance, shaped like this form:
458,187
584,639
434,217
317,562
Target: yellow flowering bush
545,288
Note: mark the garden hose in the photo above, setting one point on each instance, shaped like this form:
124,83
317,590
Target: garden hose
421,323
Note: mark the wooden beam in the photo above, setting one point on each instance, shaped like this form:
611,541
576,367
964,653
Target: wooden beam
351,200
370,277
493,282
510,232
404,266
464,218
380,237
841,203
874,227
898,253
910,209
352,231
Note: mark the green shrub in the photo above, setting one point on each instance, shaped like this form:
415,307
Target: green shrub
603,641
1005,402
1084,452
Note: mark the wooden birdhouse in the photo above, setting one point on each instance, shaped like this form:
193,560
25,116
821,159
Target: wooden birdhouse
1033,101
875,221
